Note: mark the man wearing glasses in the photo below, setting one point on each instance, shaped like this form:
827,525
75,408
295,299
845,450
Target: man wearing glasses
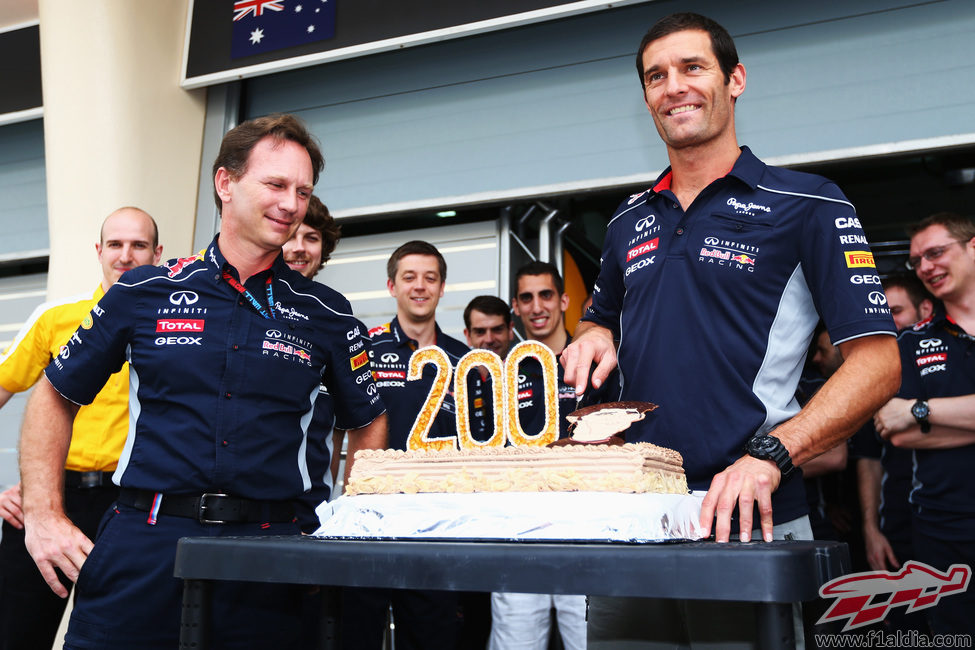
934,412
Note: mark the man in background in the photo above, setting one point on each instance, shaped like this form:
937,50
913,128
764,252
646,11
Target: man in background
30,612
487,326
523,621
416,276
934,411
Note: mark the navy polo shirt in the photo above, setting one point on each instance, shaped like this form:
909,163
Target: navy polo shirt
938,360
221,397
714,308
895,485
390,356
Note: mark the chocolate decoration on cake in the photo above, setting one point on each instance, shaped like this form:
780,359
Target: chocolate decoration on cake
602,423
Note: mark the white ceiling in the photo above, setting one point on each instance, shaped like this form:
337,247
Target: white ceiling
16,12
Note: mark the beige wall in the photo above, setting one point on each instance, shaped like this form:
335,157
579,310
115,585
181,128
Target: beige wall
118,129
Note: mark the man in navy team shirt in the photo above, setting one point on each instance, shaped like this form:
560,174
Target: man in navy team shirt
934,412
226,350
712,282
416,277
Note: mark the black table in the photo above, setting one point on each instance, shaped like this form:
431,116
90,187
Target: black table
774,574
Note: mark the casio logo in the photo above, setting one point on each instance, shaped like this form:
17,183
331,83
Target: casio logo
183,297
645,222
847,222
389,357
877,298
273,334
711,241
351,334
930,343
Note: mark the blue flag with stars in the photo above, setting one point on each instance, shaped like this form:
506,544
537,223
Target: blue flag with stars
266,25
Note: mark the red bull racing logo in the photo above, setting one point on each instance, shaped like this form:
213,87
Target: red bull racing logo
182,263
743,259
865,598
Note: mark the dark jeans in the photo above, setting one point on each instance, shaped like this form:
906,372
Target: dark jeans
954,613
424,620
30,612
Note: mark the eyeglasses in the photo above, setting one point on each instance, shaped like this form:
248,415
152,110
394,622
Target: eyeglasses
931,254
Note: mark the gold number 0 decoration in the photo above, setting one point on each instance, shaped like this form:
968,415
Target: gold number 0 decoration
504,381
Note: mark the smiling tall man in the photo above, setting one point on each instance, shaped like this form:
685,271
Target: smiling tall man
710,284
226,352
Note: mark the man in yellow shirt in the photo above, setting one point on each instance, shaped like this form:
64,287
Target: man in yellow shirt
29,611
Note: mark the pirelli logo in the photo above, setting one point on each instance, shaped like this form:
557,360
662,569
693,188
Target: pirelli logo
859,259
359,360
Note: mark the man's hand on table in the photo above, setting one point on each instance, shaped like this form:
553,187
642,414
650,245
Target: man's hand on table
748,481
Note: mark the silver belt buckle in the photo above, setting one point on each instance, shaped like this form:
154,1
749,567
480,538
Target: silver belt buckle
201,515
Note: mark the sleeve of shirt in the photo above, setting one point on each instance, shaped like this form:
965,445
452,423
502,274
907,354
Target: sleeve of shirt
97,349
349,377
23,362
840,271
607,293
910,376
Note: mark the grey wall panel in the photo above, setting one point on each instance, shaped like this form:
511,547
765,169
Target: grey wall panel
557,106
19,296
23,186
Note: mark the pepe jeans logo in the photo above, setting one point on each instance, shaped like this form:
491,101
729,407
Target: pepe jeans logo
183,297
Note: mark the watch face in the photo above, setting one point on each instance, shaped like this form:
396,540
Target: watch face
920,410
763,445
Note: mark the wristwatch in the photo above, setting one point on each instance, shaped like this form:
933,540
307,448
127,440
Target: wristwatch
921,411
766,447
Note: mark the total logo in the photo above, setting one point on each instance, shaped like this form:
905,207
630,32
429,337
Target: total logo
642,249
179,340
639,265
872,278
877,298
842,223
928,359
180,325
183,298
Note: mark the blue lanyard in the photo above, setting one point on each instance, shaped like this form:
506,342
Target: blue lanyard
258,307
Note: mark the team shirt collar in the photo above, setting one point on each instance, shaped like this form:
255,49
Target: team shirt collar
748,169
401,337
214,259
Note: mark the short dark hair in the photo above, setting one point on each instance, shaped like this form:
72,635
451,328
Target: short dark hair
415,247
911,285
238,143
959,227
490,305
319,218
541,268
722,44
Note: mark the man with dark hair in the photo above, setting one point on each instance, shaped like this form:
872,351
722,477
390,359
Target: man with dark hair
934,411
30,612
522,621
416,277
312,244
716,273
227,350
487,325
907,299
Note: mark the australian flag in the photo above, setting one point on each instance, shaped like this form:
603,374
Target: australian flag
267,25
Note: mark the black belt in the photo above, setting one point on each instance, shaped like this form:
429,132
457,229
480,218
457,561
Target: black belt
210,508
84,480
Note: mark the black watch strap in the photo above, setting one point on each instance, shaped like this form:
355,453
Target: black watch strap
766,447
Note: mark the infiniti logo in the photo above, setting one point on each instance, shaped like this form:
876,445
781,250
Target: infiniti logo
645,222
711,241
930,343
183,298
877,298
272,334
389,357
